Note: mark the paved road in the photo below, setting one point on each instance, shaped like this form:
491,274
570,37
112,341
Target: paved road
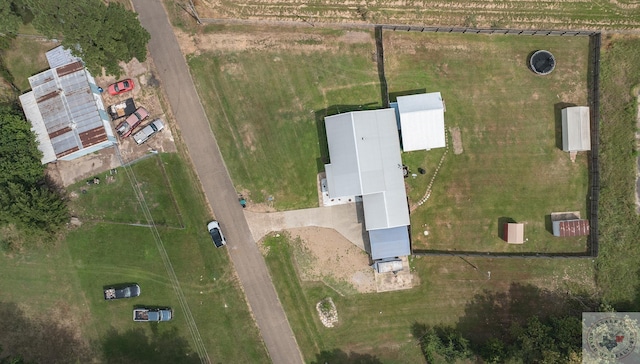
210,167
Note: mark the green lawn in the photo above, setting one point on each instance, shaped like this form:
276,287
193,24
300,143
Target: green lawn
99,254
98,202
451,291
26,58
267,108
511,166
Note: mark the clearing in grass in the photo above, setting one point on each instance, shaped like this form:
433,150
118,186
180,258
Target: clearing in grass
505,120
102,253
266,93
573,14
476,296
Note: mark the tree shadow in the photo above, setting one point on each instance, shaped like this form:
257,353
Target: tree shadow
337,356
501,221
384,90
557,112
134,346
495,325
493,314
322,131
40,340
548,223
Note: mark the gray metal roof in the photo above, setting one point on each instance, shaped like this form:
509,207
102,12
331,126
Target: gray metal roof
59,56
389,243
365,160
69,111
32,113
422,121
576,132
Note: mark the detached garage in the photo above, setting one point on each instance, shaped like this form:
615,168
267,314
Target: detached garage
576,132
421,121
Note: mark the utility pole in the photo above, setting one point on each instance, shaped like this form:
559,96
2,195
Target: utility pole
191,10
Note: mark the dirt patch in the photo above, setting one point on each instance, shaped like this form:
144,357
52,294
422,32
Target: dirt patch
269,38
456,136
145,93
327,256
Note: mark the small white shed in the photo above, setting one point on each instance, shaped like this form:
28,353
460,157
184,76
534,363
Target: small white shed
576,132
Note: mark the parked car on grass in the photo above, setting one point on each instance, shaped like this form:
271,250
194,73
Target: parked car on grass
120,87
148,131
126,127
216,234
129,291
152,314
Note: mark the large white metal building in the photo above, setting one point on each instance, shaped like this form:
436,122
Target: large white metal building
65,109
421,119
365,161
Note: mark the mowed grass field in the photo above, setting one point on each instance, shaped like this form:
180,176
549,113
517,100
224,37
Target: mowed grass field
449,291
266,105
512,165
110,249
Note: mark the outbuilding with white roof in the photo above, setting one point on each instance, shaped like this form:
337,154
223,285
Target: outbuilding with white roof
421,121
365,161
576,132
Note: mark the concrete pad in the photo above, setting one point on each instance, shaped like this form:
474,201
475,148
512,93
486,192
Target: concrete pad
346,219
387,282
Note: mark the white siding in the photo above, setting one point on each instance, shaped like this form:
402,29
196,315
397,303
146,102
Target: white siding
422,121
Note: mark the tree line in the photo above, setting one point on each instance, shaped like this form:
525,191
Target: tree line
30,204
547,340
101,34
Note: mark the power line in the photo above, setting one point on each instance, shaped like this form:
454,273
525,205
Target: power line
191,324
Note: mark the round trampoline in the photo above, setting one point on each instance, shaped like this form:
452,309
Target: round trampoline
542,62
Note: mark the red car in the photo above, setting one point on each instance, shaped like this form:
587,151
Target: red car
121,87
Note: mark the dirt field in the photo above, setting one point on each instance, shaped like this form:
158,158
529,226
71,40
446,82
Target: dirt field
325,255
576,14
268,38
146,94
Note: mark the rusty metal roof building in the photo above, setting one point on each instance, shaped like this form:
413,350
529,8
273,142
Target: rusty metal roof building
576,227
66,111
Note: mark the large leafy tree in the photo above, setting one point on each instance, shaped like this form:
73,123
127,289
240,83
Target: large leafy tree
19,154
9,24
25,199
102,35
